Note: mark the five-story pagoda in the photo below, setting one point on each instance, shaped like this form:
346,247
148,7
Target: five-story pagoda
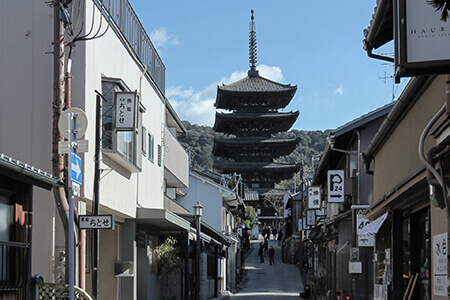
251,122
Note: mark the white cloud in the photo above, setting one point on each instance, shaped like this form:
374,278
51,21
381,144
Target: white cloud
339,91
272,73
161,38
179,92
198,106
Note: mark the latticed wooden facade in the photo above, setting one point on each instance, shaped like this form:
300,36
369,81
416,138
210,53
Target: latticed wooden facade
251,119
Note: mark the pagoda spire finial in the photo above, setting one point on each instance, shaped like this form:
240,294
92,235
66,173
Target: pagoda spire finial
252,45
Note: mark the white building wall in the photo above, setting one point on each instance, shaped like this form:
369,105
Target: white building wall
26,95
209,196
120,189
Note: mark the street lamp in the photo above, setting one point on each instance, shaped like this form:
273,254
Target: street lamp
198,211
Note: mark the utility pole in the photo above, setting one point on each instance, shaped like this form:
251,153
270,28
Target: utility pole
58,165
96,240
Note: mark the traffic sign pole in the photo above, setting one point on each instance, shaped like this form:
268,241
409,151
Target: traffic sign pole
71,121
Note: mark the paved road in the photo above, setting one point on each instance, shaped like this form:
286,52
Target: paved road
279,281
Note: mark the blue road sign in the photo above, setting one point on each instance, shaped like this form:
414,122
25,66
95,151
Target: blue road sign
75,168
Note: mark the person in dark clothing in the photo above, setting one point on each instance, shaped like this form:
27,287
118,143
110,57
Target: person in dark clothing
265,246
280,236
260,252
272,255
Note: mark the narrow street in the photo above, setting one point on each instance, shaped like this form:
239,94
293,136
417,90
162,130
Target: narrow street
263,281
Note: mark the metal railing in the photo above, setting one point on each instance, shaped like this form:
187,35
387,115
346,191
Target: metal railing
50,291
124,17
14,269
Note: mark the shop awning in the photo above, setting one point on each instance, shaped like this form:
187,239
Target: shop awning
373,227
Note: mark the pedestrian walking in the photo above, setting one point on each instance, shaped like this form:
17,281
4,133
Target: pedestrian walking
271,255
265,246
260,252
280,236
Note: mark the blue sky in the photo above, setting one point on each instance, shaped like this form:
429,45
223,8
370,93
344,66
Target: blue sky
314,45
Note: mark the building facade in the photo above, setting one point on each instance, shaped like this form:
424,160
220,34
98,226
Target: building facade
140,168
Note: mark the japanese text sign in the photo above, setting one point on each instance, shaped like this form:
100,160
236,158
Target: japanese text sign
314,197
125,111
96,221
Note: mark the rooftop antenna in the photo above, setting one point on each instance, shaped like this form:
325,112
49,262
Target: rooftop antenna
384,78
252,46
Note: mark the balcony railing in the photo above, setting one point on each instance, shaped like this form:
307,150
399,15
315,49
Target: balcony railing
176,161
125,19
14,265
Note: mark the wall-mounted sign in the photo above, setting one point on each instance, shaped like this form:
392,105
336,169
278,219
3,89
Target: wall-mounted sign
440,248
354,267
96,221
125,108
336,186
361,222
314,197
421,36
311,218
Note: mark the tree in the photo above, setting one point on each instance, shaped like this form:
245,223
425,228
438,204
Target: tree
275,200
168,260
251,217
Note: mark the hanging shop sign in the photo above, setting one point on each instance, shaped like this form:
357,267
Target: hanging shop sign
421,37
125,111
314,197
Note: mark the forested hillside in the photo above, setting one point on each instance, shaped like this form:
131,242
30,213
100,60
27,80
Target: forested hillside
200,139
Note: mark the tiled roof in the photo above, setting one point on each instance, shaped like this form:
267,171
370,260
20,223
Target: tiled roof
256,83
381,28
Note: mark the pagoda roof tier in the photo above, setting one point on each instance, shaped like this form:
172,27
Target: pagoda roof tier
254,91
254,148
254,124
253,170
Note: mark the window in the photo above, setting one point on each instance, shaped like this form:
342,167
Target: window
6,218
144,141
151,147
14,242
123,144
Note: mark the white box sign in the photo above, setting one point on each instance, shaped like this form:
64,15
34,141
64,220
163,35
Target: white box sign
314,197
336,186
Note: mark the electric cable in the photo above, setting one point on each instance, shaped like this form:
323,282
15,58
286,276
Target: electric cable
77,37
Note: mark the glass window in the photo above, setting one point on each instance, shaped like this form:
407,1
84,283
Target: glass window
144,141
